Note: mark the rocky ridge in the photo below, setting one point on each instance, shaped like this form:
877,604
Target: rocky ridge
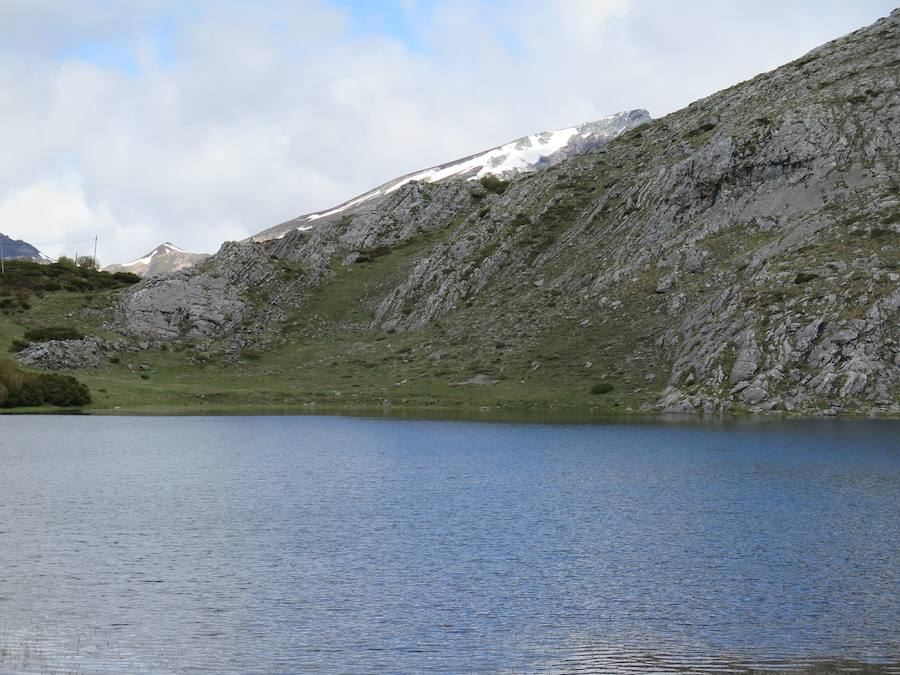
739,254
523,155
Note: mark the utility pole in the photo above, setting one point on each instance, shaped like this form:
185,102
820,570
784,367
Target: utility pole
95,252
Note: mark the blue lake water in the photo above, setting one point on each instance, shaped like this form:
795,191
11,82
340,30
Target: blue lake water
330,544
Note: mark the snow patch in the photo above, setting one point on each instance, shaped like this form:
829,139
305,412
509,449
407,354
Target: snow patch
344,207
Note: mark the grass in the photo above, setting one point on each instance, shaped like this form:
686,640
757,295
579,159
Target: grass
320,364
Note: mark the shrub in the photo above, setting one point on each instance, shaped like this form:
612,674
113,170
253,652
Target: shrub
803,277
602,388
87,262
59,390
66,262
53,333
251,354
19,345
36,389
367,254
126,277
11,377
520,219
24,277
702,129
494,184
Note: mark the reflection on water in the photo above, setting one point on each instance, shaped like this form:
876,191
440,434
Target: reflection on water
370,545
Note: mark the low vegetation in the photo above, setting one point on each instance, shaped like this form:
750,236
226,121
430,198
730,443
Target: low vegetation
493,184
20,389
24,276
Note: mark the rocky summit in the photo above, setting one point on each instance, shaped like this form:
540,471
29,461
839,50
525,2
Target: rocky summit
163,259
740,254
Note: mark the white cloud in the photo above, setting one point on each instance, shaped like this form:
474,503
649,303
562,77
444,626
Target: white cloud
236,115
56,209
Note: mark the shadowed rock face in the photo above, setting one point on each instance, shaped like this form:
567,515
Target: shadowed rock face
746,247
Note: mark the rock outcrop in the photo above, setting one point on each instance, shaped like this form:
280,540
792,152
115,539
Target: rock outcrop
91,352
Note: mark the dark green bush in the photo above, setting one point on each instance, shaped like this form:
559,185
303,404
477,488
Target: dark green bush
367,254
804,277
520,219
62,390
19,345
126,277
494,184
702,129
37,389
48,333
602,388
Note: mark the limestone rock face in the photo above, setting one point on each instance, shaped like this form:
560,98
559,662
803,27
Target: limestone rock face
204,302
91,352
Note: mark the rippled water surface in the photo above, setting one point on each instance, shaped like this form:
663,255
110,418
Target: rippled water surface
302,544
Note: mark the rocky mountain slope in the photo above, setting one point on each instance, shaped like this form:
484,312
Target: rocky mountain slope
739,254
522,155
163,259
22,250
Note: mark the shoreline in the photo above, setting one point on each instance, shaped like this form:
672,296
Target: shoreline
542,415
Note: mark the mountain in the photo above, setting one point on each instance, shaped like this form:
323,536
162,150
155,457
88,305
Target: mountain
16,248
739,255
163,259
523,155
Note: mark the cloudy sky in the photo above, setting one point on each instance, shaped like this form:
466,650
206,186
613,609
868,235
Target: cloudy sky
203,121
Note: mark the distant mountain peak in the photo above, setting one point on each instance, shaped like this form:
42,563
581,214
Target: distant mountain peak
167,257
18,249
523,155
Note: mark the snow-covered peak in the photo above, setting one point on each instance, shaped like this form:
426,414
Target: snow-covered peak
167,248
529,152
522,155
164,258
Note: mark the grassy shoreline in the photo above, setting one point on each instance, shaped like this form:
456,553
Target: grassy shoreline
544,415
320,366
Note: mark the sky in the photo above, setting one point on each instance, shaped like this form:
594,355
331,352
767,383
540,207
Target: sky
202,121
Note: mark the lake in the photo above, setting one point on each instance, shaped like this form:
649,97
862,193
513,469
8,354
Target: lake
338,544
